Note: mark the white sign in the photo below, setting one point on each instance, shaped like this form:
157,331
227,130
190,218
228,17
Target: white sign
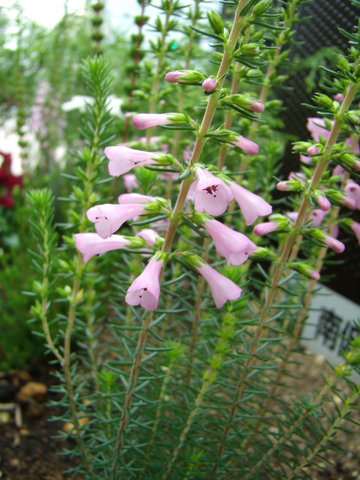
330,327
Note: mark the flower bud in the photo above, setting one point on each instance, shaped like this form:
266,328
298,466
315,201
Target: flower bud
312,151
339,97
216,22
209,85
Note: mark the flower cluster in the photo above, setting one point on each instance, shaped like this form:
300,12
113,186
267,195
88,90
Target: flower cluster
45,113
209,193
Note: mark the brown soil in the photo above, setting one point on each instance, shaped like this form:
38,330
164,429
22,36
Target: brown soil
31,451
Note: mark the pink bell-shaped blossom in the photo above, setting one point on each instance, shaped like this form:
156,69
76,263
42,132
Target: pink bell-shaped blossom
262,229
148,120
149,235
222,289
354,145
247,146
130,182
317,216
145,289
90,244
211,195
251,205
355,227
209,85
338,170
232,245
122,159
108,218
316,127
305,159
129,198
352,190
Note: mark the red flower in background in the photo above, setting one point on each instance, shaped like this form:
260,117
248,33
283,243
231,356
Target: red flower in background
7,182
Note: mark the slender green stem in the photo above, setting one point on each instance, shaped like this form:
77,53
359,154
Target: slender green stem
332,430
140,348
289,432
158,412
207,382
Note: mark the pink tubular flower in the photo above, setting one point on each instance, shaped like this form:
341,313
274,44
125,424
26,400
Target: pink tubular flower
211,195
338,170
352,190
209,85
130,182
247,146
147,120
305,159
334,244
316,127
222,289
317,216
173,77
149,235
108,218
355,227
129,198
262,229
145,289
232,245
252,206
122,159
90,244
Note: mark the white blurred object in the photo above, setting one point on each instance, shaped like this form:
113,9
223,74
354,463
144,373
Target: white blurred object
79,102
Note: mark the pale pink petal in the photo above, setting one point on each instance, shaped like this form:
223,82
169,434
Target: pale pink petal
91,244
147,120
264,228
316,126
232,245
352,190
212,195
355,227
149,235
317,216
251,205
247,146
145,289
128,198
108,218
222,289
122,159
